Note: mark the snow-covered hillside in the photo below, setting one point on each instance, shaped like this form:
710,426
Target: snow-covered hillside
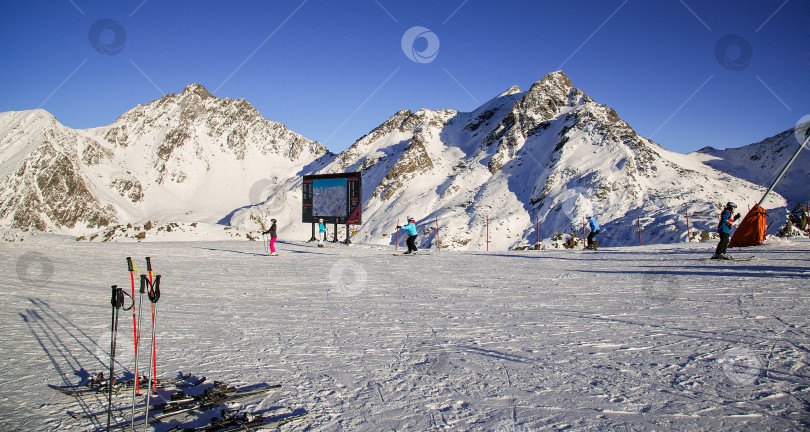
550,154
761,162
523,165
185,157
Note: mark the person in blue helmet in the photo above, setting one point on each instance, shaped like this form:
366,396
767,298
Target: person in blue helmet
727,219
594,231
411,241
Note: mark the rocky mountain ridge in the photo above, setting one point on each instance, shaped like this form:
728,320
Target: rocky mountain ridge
540,159
524,165
184,157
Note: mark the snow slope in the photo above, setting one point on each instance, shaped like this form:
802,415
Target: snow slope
761,162
525,164
188,157
642,338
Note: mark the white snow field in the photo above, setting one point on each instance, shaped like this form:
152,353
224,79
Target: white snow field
621,339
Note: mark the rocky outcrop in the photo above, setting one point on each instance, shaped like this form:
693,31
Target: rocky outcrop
155,160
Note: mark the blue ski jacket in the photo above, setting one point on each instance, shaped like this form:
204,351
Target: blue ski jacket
411,228
592,223
321,228
726,219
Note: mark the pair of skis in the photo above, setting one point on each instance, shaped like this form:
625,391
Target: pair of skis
243,421
219,394
100,385
729,258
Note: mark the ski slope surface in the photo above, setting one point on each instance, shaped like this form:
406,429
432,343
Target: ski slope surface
624,339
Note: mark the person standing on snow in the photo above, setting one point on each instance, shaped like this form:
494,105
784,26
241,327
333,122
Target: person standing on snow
724,229
321,232
594,231
272,232
411,241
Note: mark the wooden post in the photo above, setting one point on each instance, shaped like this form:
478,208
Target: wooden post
639,230
687,224
538,231
487,233
396,239
438,241
583,231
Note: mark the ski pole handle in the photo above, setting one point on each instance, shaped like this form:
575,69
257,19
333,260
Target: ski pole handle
117,299
154,292
129,264
148,264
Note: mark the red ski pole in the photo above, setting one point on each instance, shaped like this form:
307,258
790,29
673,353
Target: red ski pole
134,321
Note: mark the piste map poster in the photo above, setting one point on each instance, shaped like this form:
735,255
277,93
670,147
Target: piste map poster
335,198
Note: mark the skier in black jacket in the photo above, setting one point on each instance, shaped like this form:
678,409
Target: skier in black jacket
272,232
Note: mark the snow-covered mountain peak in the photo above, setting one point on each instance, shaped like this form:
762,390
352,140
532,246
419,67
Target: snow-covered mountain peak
512,90
183,157
197,89
547,155
550,153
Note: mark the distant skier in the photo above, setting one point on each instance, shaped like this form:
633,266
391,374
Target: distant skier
272,232
411,241
321,232
724,229
594,231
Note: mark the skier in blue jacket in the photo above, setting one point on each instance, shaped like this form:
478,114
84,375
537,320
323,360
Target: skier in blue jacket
594,231
411,241
724,229
321,232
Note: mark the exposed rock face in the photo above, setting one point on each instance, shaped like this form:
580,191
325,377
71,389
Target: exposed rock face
42,183
550,154
183,156
523,161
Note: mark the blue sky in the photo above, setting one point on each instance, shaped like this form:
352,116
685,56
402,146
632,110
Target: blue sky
334,70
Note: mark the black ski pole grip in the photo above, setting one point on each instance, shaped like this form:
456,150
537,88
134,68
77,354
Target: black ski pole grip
144,282
154,293
117,297
129,264
148,264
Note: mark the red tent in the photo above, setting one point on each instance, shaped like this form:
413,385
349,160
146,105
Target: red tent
751,231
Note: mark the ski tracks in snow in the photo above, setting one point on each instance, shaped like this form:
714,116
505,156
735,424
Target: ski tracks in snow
621,339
